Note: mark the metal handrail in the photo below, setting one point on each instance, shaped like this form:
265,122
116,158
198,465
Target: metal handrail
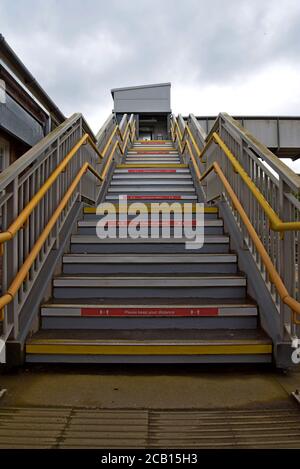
26,212
270,268
130,135
23,272
182,136
276,224
37,216
287,174
18,166
115,131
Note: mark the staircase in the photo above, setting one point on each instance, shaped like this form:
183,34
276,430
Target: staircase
150,300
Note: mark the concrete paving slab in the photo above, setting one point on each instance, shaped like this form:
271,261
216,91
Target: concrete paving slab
150,387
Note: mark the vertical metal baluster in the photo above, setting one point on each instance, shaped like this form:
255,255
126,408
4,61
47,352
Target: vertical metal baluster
31,220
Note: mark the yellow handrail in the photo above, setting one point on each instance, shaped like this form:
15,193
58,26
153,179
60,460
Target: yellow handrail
24,270
115,130
122,149
24,215
21,219
18,223
276,224
274,276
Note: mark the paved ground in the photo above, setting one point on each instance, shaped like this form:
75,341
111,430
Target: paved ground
149,387
149,407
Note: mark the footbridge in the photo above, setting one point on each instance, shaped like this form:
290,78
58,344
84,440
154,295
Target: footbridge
70,294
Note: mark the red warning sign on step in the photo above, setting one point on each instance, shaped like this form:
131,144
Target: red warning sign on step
150,312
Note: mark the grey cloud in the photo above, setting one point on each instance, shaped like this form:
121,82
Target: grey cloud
78,50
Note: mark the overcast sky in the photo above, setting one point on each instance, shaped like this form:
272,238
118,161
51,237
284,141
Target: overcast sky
238,56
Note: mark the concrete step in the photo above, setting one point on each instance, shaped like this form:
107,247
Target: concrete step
146,147
153,172
175,221
154,154
152,161
210,212
152,166
163,146
158,153
149,264
242,315
163,215
92,244
211,227
155,141
155,197
157,158
137,180
123,189
172,216
149,346
154,145
148,157
188,286
153,177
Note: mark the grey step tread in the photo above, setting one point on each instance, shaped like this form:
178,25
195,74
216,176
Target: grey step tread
156,147
164,147
207,208
207,280
153,171
218,222
153,147
155,182
151,177
148,151
123,189
152,160
155,197
216,337
145,310
150,258
187,304
157,157
145,165
148,302
92,239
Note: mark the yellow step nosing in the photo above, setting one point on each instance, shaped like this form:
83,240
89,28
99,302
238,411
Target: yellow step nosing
56,348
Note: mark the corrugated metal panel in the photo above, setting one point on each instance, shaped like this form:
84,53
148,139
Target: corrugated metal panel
150,98
15,120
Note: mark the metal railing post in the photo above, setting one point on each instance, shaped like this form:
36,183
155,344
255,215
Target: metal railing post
287,257
268,201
